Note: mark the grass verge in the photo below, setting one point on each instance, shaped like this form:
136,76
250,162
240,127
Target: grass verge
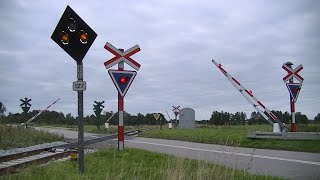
111,130
233,136
135,164
12,137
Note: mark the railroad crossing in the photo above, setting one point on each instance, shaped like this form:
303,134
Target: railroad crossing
252,99
176,112
294,88
122,79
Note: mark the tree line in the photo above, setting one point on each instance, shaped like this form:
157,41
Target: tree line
240,118
217,118
54,117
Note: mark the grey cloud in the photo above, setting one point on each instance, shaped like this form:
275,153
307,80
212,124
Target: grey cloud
178,39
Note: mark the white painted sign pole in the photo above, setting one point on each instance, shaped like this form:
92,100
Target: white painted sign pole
292,73
122,83
120,111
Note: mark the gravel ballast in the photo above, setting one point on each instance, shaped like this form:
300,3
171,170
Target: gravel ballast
30,148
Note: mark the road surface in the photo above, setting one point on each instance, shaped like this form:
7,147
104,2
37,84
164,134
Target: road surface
293,165
70,135
288,164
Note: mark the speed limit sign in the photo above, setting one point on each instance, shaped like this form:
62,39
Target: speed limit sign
79,86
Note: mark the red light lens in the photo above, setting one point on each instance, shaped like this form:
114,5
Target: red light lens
123,80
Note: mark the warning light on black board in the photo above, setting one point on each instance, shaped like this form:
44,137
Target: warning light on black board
64,37
71,25
83,37
123,80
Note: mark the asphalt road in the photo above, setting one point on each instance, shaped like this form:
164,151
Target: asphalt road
292,165
70,135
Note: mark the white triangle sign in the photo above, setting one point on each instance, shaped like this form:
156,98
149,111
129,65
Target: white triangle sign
156,115
122,79
294,89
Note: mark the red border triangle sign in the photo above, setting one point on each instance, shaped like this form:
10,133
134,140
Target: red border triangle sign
294,89
122,79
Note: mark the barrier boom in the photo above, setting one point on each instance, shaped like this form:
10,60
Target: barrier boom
251,99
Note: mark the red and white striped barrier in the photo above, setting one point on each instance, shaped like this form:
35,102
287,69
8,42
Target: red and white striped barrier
251,98
39,113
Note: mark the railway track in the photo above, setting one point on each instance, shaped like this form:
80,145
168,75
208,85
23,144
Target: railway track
14,162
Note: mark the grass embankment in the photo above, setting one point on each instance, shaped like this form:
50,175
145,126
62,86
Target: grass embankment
234,136
134,164
12,137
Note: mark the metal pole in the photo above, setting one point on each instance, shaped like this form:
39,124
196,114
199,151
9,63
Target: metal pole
26,117
175,120
120,111
160,123
80,120
175,111
293,114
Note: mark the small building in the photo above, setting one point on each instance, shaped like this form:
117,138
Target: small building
187,118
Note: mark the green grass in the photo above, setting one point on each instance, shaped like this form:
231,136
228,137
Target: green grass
308,127
111,130
135,164
11,137
233,136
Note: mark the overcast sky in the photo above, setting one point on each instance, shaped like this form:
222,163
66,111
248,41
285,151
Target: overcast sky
178,40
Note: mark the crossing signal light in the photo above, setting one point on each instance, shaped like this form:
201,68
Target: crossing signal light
73,35
64,37
123,80
83,37
98,107
25,105
72,25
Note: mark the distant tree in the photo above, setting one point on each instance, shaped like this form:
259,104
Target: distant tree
301,118
149,119
133,120
243,118
239,118
140,118
226,117
251,120
2,109
70,119
203,121
92,119
233,119
256,118
278,114
216,118
14,118
317,118
286,117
